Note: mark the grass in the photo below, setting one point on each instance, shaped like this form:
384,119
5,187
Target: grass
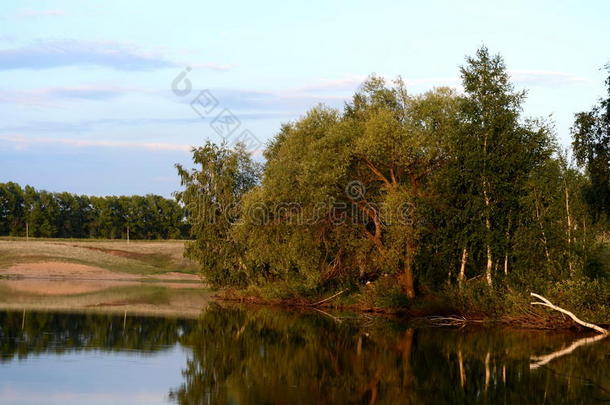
137,257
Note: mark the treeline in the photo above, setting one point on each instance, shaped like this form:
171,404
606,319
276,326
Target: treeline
40,213
406,192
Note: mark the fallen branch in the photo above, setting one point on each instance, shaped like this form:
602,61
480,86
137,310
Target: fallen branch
328,299
549,304
447,320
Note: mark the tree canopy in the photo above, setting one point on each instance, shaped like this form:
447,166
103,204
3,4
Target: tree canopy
424,190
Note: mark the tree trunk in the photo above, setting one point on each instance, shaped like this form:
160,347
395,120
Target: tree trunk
488,269
507,235
544,242
405,279
463,262
490,261
569,230
489,266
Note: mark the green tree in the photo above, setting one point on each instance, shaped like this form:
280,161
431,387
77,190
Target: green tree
591,144
496,152
212,195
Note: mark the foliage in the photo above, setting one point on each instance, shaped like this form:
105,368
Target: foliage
212,196
66,215
591,144
397,191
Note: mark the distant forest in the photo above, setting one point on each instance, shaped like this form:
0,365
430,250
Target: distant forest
40,213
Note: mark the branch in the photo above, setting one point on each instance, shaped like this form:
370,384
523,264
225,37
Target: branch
376,171
549,304
374,215
329,298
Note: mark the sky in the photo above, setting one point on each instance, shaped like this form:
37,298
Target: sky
103,97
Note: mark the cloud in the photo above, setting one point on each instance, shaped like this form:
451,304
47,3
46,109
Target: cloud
347,83
22,142
48,96
30,13
88,125
545,78
253,104
213,66
8,38
60,53
48,54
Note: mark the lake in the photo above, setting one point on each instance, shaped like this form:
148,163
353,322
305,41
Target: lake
238,355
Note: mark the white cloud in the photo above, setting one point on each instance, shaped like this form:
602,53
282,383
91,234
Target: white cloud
545,78
48,95
23,142
47,54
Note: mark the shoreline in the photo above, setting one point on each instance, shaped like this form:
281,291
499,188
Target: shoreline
434,318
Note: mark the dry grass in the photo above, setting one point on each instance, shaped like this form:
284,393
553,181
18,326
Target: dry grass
137,257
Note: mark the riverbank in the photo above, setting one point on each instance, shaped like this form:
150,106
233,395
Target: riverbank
152,277
142,277
472,304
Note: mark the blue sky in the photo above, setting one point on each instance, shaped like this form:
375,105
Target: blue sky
86,97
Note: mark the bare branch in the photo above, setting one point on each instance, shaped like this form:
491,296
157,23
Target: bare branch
549,304
329,298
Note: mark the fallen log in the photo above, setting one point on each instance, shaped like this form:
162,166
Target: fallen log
549,304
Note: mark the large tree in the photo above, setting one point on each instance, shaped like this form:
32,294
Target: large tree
341,192
495,153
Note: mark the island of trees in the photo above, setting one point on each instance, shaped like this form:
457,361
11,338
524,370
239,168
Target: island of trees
397,196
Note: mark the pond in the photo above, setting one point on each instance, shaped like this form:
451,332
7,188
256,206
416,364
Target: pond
238,355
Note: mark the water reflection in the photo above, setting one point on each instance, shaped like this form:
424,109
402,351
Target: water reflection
266,357
263,356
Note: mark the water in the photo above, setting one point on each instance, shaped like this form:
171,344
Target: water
236,356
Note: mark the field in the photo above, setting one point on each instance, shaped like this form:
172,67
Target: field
146,258
147,277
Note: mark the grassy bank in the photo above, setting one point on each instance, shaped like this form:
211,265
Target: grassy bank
474,302
136,257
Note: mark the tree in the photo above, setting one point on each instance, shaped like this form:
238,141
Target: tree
11,209
340,193
591,145
496,150
408,192
212,195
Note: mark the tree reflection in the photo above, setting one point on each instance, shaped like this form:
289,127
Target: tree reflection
271,357
23,334
245,356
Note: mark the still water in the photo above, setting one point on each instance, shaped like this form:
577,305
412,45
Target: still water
235,355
